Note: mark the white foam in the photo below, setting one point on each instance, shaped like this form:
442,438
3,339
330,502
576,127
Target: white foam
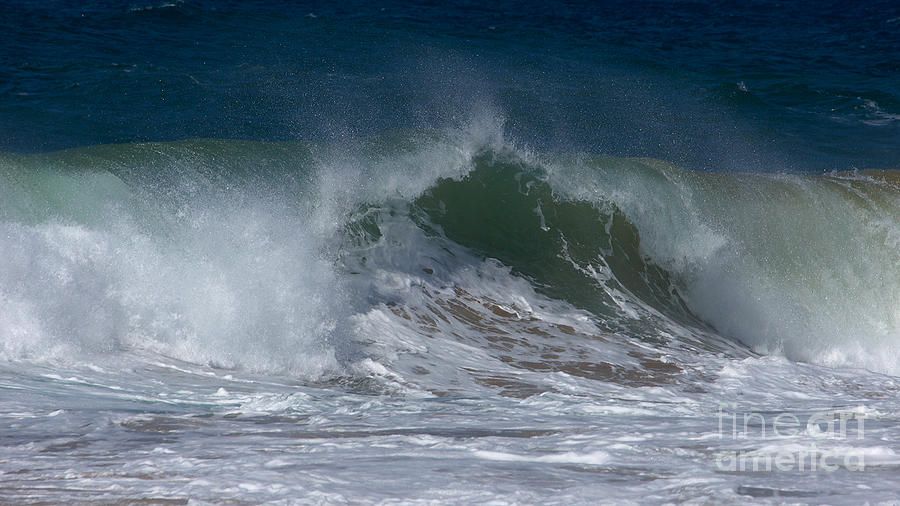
594,458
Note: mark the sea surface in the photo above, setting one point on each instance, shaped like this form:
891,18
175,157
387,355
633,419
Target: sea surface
455,253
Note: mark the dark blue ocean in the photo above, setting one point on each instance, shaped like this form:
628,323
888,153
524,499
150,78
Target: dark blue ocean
716,85
449,252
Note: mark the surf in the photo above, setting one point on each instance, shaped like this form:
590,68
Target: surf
326,261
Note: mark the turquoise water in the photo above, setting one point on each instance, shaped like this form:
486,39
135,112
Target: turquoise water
449,254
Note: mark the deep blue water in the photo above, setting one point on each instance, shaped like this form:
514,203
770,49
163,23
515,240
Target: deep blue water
751,85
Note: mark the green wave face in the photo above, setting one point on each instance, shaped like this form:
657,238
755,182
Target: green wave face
573,250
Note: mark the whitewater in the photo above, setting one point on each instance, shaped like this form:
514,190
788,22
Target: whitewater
442,315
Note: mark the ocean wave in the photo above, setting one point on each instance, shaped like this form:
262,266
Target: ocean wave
440,261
